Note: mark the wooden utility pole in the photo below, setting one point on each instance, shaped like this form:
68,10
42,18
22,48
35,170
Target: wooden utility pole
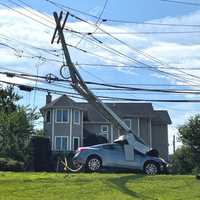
78,83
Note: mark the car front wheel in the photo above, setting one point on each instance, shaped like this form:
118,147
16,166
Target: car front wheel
93,164
151,168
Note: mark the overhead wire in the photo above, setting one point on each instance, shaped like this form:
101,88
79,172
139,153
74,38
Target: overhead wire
21,13
65,7
182,2
187,73
133,48
108,97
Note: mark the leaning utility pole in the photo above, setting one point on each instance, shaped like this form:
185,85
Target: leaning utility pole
79,85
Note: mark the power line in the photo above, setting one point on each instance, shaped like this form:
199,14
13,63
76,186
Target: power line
116,52
182,2
134,49
21,13
65,7
38,14
30,88
144,32
133,66
100,29
181,91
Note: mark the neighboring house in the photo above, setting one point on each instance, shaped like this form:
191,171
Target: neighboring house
67,122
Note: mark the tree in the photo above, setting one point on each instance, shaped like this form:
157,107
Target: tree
16,125
182,161
8,99
190,137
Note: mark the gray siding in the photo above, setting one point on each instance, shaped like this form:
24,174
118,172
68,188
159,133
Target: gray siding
160,139
96,129
54,129
145,130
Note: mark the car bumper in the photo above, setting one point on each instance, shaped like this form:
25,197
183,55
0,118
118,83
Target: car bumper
164,167
78,160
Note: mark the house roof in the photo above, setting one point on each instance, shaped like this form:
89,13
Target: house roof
63,101
127,110
162,115
124,110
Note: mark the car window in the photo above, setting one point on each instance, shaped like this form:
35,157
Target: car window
112,147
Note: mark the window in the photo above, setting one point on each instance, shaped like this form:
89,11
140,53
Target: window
104,128
48,116
61,143
62,115
76,117
76,143
65,115
128,122
58,115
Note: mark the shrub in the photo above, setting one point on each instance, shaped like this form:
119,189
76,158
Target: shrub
8,164
40,154
182,162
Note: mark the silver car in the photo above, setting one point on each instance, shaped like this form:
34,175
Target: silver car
112,155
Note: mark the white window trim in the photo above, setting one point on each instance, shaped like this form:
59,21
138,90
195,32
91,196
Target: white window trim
78,142
104,132
61,142
129,121
61,122
46,117
79,117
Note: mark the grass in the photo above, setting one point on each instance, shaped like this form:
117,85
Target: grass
52,186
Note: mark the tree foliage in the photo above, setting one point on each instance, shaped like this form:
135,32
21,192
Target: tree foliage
190,137
16,125
187,158
182,161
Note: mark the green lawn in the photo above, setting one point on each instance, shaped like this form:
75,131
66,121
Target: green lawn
102,186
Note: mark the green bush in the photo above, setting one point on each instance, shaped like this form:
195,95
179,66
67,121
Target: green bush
40,155
8,164
182,162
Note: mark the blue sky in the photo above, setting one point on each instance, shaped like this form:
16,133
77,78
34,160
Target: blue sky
179,50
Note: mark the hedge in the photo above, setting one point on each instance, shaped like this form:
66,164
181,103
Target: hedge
40,154
8,164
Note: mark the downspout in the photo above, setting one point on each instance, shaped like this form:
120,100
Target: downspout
52,139
150,134
111,133
70,130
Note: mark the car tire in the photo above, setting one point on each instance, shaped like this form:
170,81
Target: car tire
93,164
151,168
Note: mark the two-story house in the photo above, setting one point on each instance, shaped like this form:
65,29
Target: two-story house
66,123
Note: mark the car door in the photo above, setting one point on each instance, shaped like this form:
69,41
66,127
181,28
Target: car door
114,155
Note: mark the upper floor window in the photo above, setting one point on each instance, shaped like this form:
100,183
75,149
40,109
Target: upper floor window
77,117
128,122
48,116
62,115
61,143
